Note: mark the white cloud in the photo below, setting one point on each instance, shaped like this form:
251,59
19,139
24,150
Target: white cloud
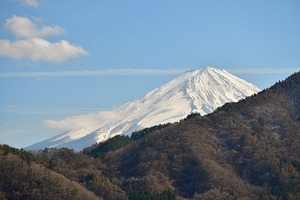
264,70
125,72
107,72
82,121
32,44
72,111
33,3
10,107
23,27
37,49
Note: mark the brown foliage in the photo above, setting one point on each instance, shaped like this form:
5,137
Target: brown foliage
22,180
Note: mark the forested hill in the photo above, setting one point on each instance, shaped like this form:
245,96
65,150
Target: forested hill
22,176
247,149
244,150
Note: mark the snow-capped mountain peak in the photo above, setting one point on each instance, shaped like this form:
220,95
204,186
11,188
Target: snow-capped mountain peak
200,91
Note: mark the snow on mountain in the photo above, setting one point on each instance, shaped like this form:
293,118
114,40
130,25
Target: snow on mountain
199,91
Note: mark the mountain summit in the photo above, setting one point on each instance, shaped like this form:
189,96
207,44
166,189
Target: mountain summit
199,91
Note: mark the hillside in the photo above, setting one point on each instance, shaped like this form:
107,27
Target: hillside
244,150
21,177
200,91
249,149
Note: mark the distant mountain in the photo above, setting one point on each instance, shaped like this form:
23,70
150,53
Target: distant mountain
200,91
244,150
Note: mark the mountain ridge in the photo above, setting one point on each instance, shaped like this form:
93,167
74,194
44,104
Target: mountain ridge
244,150
201,91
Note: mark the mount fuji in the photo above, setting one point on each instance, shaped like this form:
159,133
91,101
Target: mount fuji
200,91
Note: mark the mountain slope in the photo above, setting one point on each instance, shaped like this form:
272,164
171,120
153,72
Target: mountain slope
244,150
199,91
22,178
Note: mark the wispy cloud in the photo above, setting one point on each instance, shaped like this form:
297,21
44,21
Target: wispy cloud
264,70
125,72
82,121
104,72
33,3
13,109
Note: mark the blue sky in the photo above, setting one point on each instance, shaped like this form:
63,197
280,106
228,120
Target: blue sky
60,58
